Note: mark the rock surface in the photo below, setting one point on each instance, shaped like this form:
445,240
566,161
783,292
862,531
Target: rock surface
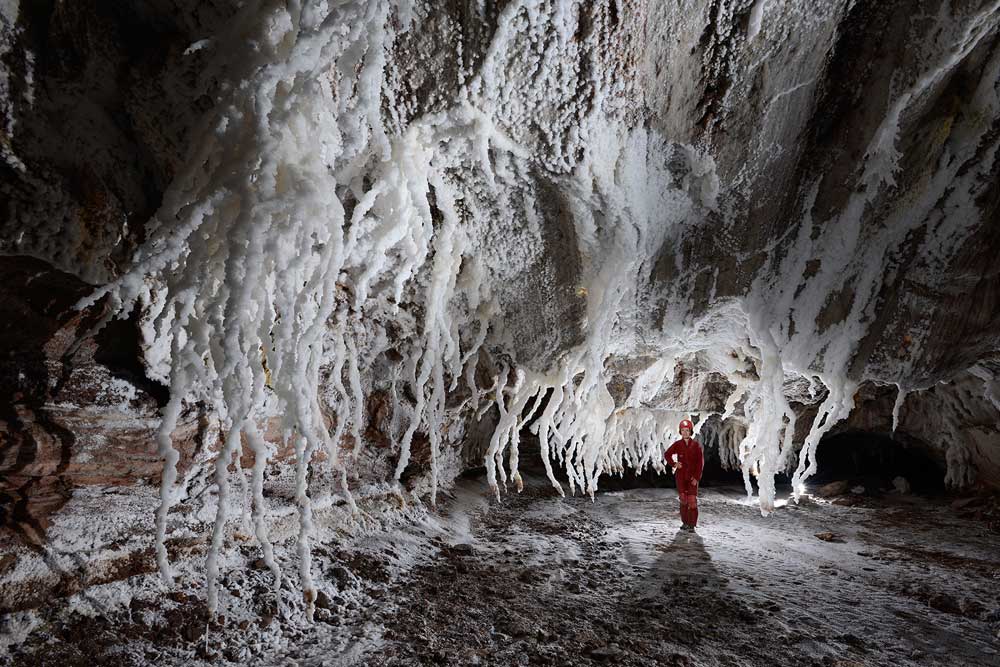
77,410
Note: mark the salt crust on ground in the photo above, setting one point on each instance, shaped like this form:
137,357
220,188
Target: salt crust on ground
541,580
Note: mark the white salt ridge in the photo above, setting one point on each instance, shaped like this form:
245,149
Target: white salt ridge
897,406
756,19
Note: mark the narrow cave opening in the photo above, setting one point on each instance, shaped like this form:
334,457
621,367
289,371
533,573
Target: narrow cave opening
119,349
877,463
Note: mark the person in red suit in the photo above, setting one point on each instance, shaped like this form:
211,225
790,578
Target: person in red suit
687,460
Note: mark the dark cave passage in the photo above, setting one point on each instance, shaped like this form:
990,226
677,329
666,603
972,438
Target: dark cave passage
860,459
874,461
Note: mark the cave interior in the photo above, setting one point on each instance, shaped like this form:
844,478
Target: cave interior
358,332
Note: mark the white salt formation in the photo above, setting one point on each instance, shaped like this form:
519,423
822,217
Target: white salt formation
316,207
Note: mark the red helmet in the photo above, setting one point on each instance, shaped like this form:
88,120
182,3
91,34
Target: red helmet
685,424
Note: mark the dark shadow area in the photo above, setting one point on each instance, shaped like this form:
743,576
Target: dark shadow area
35,303
684,567
118,349
874,461
682,584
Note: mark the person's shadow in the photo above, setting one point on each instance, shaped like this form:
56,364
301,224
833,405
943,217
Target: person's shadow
682,585
683,562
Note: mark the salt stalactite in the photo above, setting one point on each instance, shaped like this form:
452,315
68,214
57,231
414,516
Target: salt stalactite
262,452
544,426
397,406
637,437
303,453
506,435
756,19
474,285
836,407
356,398
222,461
248,245
582,408
515,435
897,406
503,425
245,500
170,457
578,426
768,442
845,249
727,438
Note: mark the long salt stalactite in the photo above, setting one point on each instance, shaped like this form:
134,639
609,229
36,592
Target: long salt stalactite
241,271
578,427
249,244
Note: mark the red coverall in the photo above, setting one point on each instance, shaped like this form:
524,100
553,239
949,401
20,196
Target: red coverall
692,460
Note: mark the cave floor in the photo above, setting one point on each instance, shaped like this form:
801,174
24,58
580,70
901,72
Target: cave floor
539,580
551,581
